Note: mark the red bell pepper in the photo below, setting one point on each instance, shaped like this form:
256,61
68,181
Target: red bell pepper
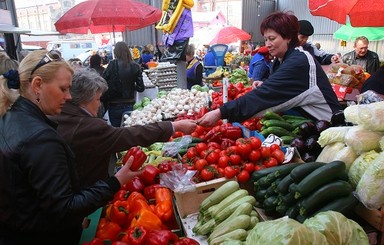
139,157
121,195
231,132
225,143
107,230
165,166
119,243
94,241
135,184
186,241
214,135
118,212
232,91
149,191
149,174
161,237
163,208
135,235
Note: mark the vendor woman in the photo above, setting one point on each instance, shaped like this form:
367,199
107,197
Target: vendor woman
194,68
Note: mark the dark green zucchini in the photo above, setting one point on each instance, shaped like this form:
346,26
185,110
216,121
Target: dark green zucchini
304,169
284,184
264,172
324,195
319,177
342,205
293,211
288,199
260,195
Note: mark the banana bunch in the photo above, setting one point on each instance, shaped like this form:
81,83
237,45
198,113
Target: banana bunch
219,72
228,58
135,53
172,10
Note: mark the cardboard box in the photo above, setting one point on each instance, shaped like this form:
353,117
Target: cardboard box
345,93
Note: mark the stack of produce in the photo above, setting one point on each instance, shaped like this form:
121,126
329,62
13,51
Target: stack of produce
361,147
227,214
301,190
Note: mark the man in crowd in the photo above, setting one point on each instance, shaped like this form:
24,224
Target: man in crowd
306,30
367,59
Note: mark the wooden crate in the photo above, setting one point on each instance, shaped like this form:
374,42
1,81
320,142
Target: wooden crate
373,217
188,202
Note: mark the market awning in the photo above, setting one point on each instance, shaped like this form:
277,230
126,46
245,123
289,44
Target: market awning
12,29
42,33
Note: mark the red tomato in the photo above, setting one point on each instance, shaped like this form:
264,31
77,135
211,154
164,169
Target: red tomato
255,142
195,135
259,167
200,164
213,145
233,149
254,155
274,147
224,153
177,134
223,161
221,172
244,149
199,130
229,172
206,174
212,157
201,147
279,155
243,176
265,152
235,159
249,167
191,152
270,162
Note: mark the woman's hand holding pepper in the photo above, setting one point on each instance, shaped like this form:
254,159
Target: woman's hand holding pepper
187,126
125,174
210,119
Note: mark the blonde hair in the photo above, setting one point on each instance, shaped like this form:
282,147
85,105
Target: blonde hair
47,72
7,63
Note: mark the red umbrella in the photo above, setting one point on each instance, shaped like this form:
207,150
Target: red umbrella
360,12
230,34
99,16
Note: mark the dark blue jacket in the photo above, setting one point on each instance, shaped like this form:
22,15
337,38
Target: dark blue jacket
298,82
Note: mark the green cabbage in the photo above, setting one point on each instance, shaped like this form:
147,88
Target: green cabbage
362,140
338,229
359,166
370,188
284,231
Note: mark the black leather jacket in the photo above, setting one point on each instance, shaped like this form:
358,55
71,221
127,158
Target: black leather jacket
370,62
40,201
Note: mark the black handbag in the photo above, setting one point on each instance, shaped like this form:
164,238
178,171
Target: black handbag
115,86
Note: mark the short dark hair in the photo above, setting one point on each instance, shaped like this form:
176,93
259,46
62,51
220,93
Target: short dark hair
284,23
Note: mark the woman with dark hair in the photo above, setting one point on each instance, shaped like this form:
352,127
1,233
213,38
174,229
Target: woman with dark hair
124,78
296,84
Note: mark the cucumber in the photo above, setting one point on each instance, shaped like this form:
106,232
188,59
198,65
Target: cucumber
238,234
240,222
279,131
287,139
278,123
229,209
297,123
294,117
264,172
302,171
284,184
219,194
229,200
323,195
342,205
319,177
196,140
272,115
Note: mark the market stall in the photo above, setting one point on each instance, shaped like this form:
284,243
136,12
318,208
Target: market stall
283,173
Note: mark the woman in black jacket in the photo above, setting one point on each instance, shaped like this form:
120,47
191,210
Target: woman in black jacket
124,78
41,201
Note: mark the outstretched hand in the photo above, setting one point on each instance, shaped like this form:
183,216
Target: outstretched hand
187,126
125,174
210,119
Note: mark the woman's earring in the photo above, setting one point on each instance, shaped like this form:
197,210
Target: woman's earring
38,98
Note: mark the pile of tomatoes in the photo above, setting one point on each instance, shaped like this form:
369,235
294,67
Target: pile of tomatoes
240,160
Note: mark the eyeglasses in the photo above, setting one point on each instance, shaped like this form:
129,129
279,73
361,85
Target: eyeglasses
52,55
